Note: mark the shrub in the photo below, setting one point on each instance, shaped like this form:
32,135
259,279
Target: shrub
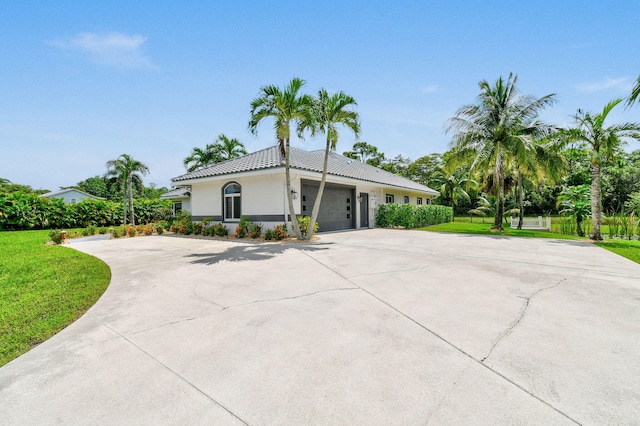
159,229
198,228
255,230
221,230
412,215
56,236
130,231
304,222
102,231
280,232
269,235
240,232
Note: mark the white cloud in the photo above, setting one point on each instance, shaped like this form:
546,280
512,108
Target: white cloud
429,89
117,49
622,83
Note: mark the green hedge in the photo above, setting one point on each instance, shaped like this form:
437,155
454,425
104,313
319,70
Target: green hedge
412,215
20,211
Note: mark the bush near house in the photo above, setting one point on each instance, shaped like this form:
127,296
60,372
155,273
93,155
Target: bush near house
24,211
411,215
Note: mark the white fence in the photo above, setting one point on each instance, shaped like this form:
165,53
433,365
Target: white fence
532,222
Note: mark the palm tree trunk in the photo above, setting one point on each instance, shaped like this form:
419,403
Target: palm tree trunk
520,201
131,214
292,212
497,223
596,201
316,204
124,204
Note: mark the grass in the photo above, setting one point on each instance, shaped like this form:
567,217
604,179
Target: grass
463,225
43,289
624,248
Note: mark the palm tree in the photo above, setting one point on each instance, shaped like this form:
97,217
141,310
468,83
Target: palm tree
635,93
284,106
452,184
326,113
603,143
200,158
575,202
500,128
125,168
229,148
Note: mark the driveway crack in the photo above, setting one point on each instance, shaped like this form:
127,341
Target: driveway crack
451,344
291,297
523,313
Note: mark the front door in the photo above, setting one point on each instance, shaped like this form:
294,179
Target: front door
364,210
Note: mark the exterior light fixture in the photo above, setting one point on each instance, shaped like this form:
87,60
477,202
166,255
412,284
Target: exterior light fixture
294,194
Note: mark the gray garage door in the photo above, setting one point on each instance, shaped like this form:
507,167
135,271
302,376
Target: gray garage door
337,210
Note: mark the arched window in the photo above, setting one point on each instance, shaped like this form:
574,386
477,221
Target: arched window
232,198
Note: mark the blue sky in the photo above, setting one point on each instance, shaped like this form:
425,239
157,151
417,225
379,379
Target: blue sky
83,82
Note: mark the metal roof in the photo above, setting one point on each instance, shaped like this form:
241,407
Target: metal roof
338,165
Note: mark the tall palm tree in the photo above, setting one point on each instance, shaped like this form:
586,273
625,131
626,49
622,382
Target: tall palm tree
325,115
200,158
635,93
500,128
284,106
125,168
602,142
229,148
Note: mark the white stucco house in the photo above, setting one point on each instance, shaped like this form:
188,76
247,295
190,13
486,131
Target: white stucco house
71,195
254,186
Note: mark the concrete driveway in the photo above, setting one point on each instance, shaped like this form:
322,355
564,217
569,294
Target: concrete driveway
366,327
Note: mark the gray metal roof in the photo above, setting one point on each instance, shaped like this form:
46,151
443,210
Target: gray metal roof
338,165
53,194
176,193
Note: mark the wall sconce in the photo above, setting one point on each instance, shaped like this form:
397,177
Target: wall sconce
359,198
294,194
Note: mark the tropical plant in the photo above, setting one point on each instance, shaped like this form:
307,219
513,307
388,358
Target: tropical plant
229,148
452,185
284,106
574,201
200,158
602,142
325,115
125,168
499,129
635,93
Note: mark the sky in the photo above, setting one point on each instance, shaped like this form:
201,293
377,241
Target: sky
84,82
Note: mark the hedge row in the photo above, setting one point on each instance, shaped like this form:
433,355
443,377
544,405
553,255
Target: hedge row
412,215
19,211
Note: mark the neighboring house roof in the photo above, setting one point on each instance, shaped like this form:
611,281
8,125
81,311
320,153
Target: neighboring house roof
338,165
176,193
62,192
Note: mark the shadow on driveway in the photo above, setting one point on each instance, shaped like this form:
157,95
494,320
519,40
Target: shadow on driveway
240,253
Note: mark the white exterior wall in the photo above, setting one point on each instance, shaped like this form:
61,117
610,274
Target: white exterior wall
265,194
261,195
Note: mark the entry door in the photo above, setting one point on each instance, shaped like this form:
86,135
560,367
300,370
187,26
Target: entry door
364,210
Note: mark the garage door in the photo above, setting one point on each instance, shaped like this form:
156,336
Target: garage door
337,210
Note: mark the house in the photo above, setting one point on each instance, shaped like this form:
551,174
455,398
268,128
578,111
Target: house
254,186
71,195
180,198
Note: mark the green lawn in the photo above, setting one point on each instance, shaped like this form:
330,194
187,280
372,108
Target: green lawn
625,248
43,289
478,227
628,249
